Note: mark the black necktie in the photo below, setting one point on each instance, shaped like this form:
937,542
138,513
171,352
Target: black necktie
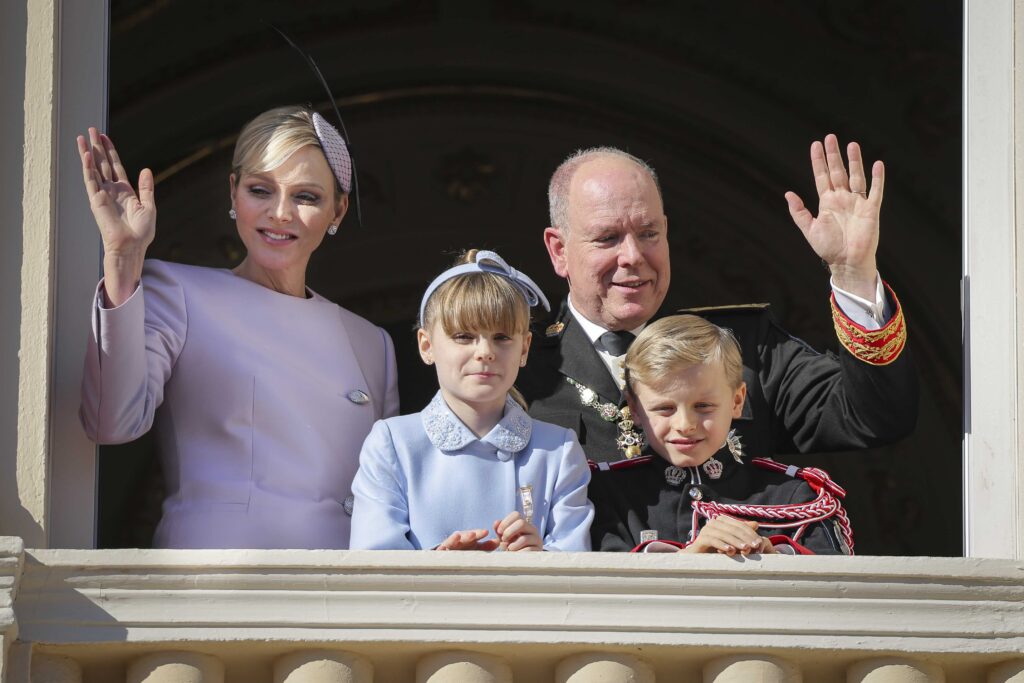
617,343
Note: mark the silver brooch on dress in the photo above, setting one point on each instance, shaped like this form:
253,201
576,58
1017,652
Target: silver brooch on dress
526,498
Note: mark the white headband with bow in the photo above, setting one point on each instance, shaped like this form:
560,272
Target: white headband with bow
489,262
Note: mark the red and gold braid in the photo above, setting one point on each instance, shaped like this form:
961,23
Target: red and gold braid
875,347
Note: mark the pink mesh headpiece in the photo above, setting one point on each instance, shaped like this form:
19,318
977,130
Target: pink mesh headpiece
335,150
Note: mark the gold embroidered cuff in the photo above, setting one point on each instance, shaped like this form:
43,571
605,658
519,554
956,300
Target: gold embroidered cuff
875,347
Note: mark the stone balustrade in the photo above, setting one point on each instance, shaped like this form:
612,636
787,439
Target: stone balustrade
150,616
12,558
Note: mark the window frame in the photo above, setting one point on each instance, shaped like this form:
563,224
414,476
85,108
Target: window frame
992,304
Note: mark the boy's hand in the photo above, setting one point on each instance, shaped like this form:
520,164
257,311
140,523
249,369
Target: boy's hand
471,539
515,533
728,535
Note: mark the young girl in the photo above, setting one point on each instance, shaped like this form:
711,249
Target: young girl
473,462
684,385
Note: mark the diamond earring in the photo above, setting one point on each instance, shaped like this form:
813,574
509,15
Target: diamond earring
232,214
332,229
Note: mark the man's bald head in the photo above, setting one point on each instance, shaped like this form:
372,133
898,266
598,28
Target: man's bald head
609,237
561,179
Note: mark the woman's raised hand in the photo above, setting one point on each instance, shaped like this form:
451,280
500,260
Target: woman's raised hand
126,220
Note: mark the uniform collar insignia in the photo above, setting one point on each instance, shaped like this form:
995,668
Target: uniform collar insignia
554,329
722,463
447,432
675,475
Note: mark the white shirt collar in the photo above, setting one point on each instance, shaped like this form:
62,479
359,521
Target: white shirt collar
592,329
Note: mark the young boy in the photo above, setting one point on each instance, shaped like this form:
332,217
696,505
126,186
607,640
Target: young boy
684,386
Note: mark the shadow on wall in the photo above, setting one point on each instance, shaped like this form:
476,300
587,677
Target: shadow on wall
13,516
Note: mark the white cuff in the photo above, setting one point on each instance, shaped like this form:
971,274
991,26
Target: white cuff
869,315
659,547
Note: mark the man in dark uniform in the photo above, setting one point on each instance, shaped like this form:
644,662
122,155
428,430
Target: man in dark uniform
609,239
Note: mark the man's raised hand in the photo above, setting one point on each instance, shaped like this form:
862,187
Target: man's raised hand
844,234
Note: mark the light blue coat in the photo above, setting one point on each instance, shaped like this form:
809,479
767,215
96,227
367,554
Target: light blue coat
423,476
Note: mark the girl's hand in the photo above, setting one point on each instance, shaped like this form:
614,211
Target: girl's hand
515,533
472,539
127,222
728,535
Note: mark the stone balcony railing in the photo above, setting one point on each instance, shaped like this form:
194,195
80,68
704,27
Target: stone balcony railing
109,616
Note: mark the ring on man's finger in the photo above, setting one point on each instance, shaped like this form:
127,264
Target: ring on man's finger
862,193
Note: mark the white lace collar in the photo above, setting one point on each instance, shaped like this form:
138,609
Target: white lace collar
447,432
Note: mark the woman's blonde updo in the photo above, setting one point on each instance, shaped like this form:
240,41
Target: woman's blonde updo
268,140
676,343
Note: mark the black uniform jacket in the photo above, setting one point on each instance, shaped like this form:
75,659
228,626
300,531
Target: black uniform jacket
639,498
798,400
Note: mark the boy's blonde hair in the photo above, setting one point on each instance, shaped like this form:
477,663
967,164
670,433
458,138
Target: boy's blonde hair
676,343
474,302
268,140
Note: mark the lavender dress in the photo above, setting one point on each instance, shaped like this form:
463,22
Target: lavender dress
260,402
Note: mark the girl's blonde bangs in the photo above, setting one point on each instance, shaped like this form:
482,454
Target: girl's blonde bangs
478,301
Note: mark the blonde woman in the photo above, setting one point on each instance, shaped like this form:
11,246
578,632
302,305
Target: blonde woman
260,390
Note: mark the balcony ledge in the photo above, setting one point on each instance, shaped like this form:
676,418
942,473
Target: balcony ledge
861,604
